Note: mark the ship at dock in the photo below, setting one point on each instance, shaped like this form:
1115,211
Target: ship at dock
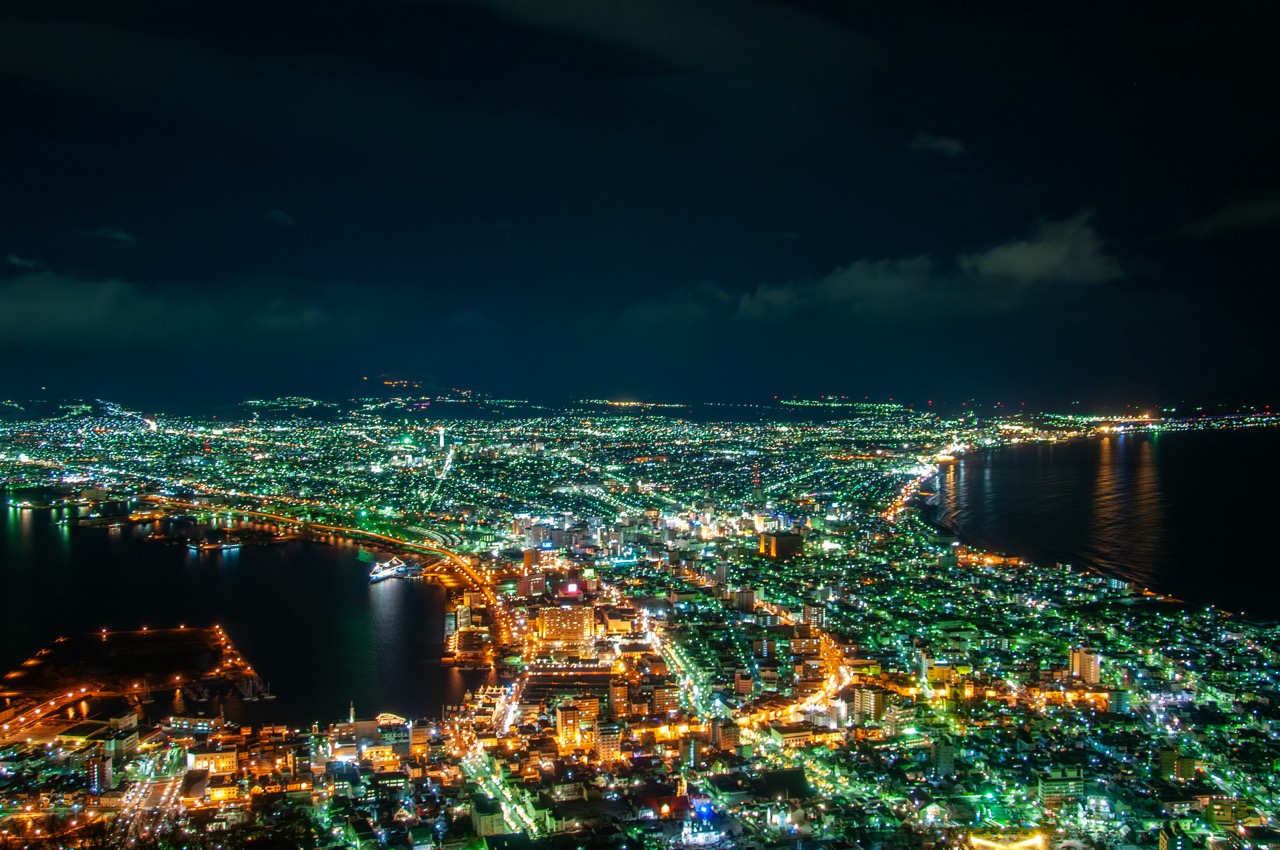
394,567
212,546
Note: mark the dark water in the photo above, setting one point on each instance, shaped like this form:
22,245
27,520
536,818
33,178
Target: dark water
1188,513
303,614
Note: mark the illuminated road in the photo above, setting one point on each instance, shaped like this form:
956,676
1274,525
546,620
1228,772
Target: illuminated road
30,721
152,804
478,768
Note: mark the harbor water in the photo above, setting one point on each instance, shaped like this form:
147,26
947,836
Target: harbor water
304,614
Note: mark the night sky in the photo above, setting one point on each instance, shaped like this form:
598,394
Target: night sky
672,200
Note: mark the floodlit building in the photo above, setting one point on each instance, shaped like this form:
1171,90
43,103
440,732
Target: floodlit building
566,622
781,544
608,741
1086,664
1061,786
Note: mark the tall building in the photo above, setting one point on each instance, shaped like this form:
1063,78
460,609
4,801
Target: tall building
1173,838
534,584
690,745
814,615
666,699
98,769
942,758
619,698
567,725
780,544
898,719
1167,758
588,708
868,704
1061,786
1086,664
458,618
725,734
608,741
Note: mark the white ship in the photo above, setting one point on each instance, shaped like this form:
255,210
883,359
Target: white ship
394,568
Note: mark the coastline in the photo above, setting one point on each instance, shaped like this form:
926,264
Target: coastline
929,512
1089,568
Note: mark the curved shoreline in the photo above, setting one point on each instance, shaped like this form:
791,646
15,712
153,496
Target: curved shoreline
929,514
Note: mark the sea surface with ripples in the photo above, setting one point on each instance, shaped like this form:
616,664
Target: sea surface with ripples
1193,514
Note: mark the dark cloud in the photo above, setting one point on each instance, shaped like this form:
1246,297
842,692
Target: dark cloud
280,218
1067,251
864,287
46,308
1241,216
944,145
22,262
737,57
116,236
998,279
722,37
732,185
675,314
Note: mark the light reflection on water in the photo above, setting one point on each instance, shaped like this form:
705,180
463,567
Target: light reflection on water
1177,511
1128,520
304,614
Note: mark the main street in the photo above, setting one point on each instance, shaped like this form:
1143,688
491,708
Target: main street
153,801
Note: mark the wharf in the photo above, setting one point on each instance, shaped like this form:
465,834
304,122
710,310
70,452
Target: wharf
129,663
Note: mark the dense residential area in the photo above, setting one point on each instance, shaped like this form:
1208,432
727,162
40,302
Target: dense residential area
696,628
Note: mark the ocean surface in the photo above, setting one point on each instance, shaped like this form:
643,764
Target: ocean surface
1192,514
302,613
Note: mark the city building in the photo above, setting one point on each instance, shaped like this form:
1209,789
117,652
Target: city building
868,704
1086,664
725,734
1061,786
568,729
486,816
608,743
1173,838
781,544
666,699
566,623
942,758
